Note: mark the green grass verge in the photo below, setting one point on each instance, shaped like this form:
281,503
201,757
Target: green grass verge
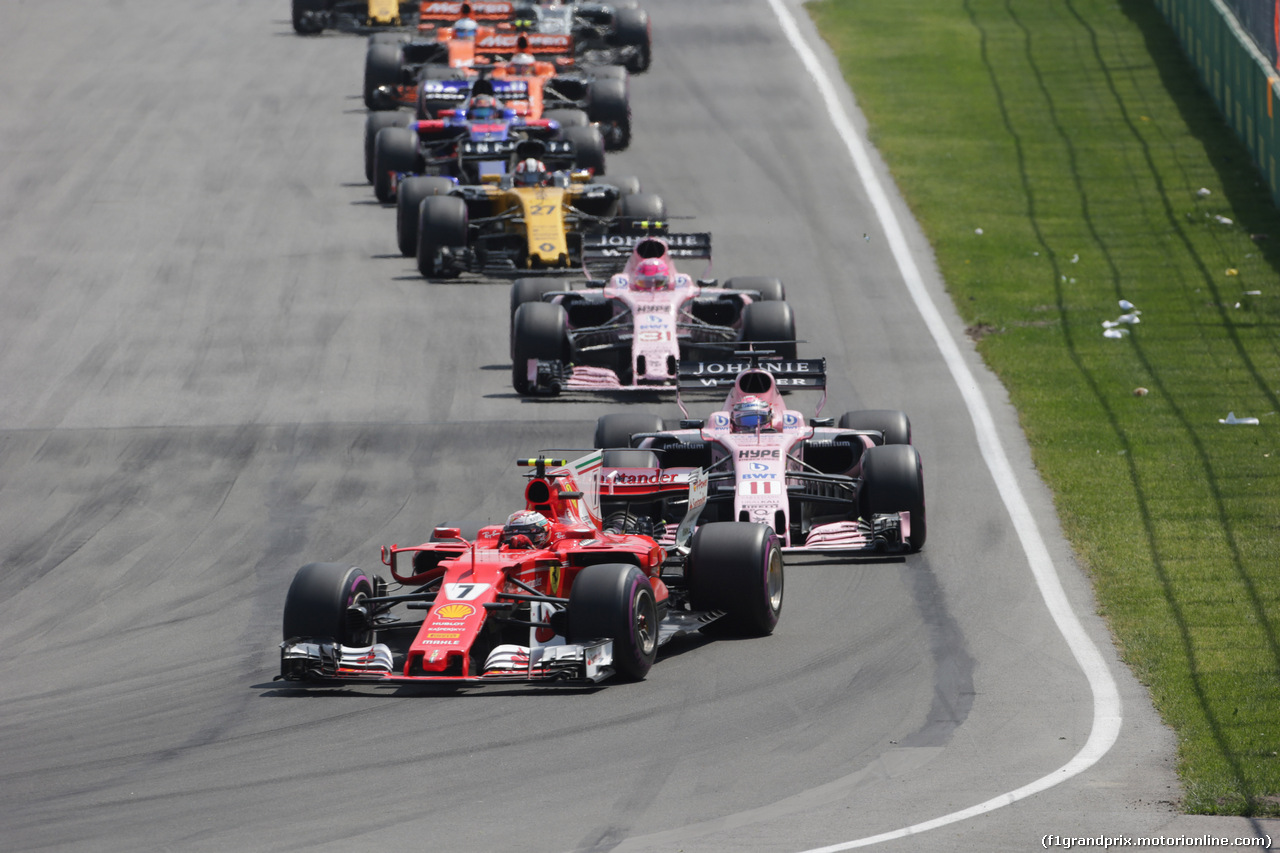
1077,137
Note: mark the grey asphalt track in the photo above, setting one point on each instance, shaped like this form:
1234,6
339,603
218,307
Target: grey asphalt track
216,367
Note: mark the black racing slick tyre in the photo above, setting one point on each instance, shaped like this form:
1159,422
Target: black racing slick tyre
528,290
608,104
637,208
893,481
625,184
317,604
307,17
395,151
770,289
610,72
540,331
615,429
615,601
568,118
409,196
532,290
382,63
772,323
895,426
373,123
442,230
736,566
588,146
631,29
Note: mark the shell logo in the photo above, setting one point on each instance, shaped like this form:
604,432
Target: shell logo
455,611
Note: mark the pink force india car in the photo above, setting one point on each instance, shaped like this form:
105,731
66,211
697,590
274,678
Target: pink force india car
630,331
856,485
557,595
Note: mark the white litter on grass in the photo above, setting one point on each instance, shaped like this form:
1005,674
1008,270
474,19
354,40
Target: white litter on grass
1253,293
1222,220
1202,192
1075,259
977,231
1108,709
1232,419
1129,318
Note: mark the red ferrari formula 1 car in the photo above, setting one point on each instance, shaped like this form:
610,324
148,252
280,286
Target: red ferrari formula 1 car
556,595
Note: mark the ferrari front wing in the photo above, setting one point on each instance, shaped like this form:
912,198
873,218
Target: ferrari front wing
309,660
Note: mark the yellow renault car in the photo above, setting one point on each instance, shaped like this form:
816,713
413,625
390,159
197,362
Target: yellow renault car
314,16
528,220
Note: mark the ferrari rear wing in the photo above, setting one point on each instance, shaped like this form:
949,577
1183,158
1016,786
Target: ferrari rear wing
787,373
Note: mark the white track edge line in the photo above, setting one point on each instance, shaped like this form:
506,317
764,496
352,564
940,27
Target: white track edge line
1106,696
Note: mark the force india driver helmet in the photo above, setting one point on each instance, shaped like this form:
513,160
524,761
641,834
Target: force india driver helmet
652,274
751,413
526,526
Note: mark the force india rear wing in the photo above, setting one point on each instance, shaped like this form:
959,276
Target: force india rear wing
607,247
609,252
787,373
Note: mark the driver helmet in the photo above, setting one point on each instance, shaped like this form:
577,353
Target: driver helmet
464,28
751,413
521,65
483,107
652,274
531,173
526,529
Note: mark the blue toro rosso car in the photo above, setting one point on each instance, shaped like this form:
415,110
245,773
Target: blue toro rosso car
480,139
